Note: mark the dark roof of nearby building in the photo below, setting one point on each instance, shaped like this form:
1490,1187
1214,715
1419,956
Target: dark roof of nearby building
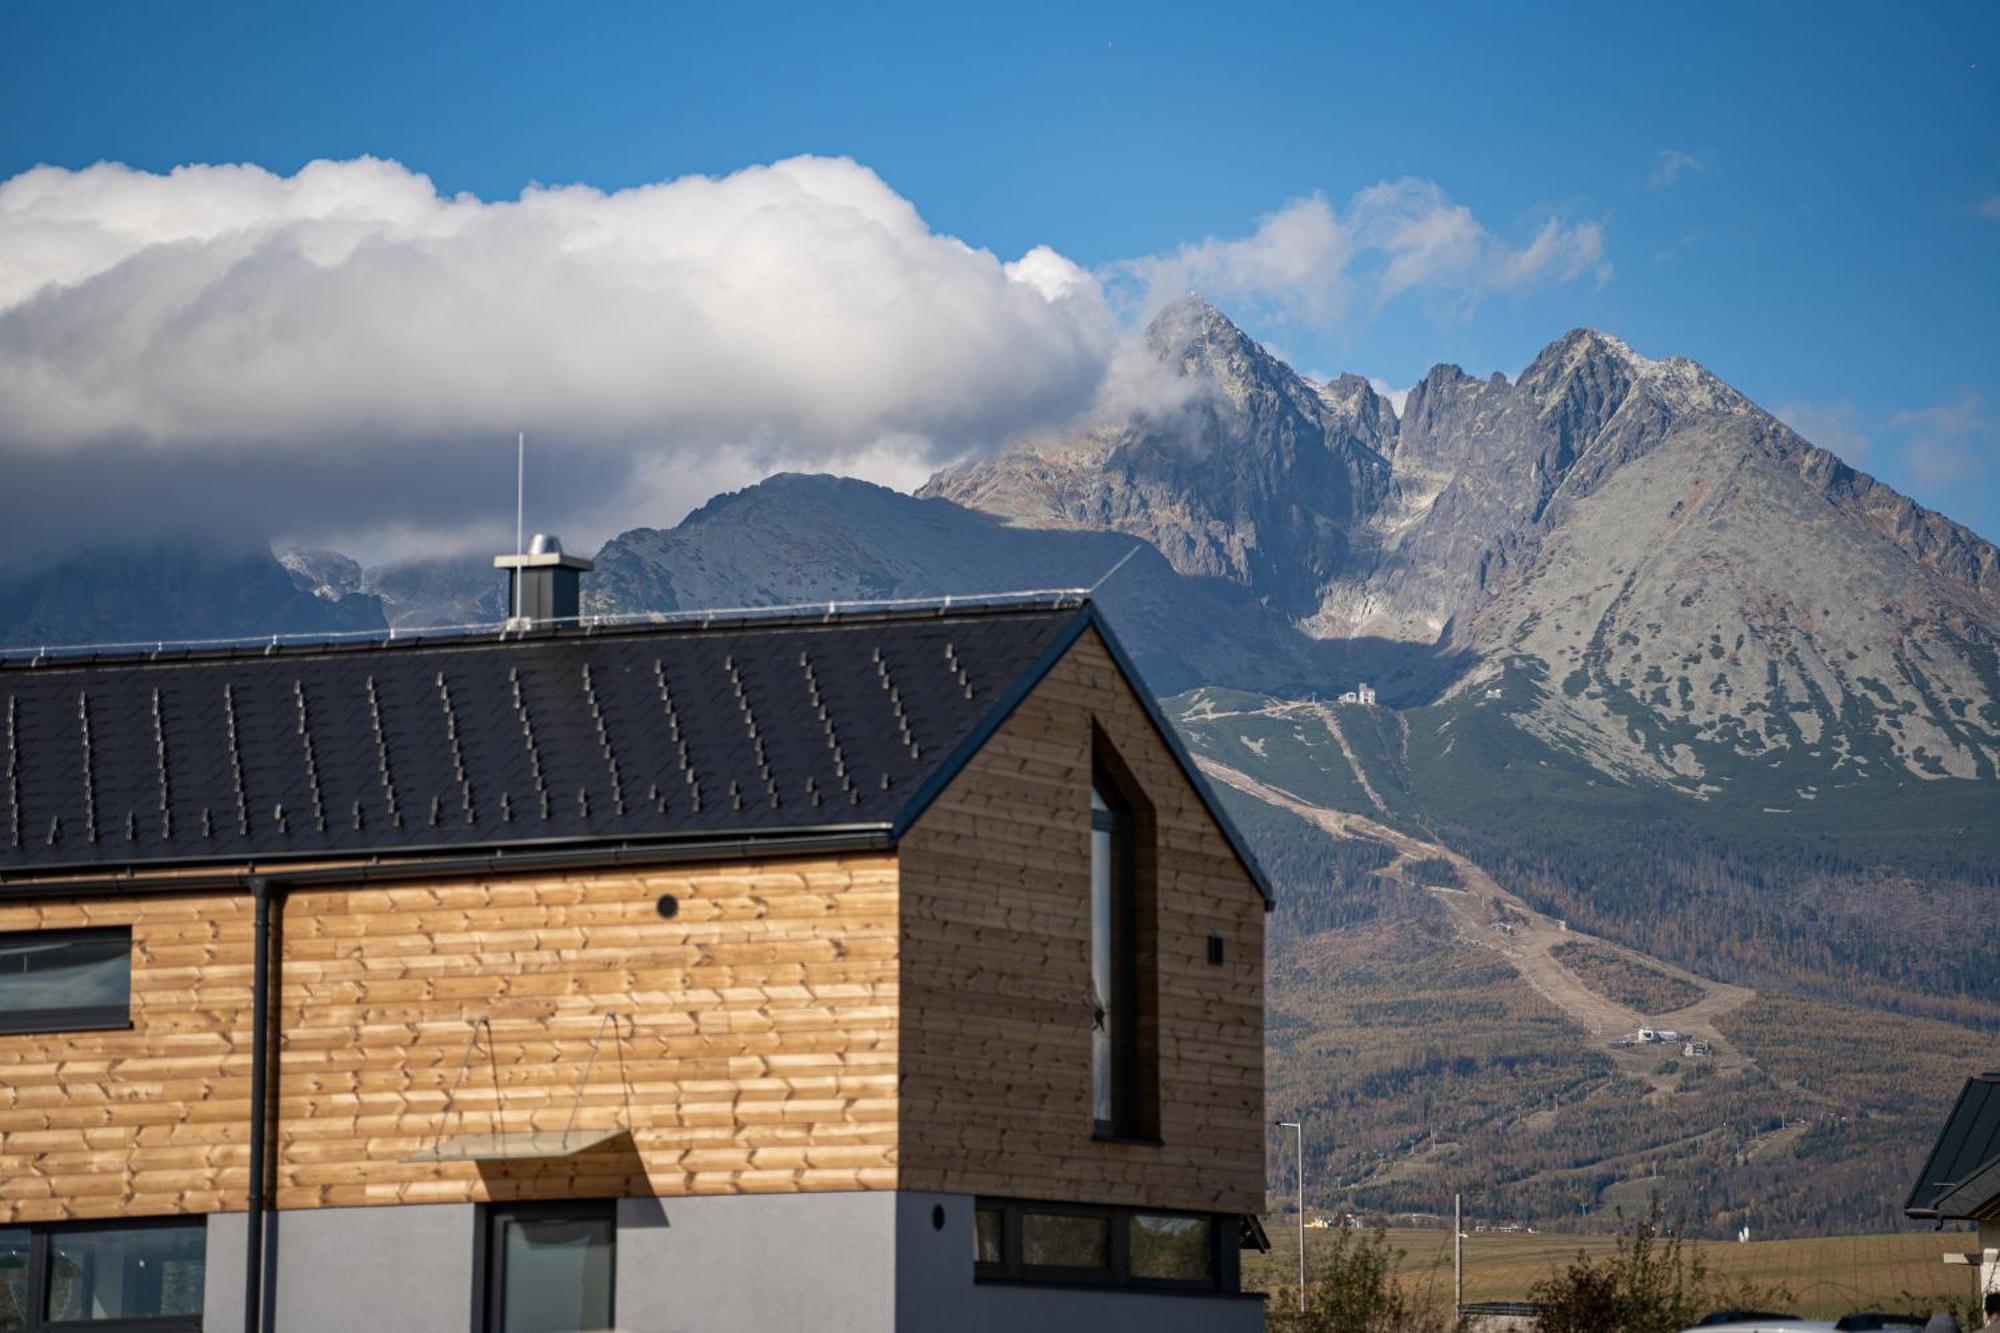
765,728
1961,1177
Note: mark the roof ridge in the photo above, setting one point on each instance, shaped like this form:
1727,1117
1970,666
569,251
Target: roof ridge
787,615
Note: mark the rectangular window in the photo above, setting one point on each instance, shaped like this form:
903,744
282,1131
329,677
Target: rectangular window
65,980
1172,1247
1079,1241
550,1267
123,1275
1093,1245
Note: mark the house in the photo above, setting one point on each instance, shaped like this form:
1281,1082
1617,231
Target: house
1960,1180
851,970
1362,694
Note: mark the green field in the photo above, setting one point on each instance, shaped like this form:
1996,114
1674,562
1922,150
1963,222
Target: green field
1828,1276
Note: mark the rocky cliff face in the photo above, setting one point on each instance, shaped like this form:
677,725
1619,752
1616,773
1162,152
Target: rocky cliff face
143,595
1244,472
1697,587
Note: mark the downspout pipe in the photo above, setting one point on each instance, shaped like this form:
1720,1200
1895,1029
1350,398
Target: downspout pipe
260,1058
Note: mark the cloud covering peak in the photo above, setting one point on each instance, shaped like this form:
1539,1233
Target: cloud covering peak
798,313
344,354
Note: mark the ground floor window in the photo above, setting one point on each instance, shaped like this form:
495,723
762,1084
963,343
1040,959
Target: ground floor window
549,1267
106,1276
1018,1240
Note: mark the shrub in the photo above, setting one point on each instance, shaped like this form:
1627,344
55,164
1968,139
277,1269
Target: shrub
1358,1290
1649,1284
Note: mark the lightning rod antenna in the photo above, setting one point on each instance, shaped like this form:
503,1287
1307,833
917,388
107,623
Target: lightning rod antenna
1115,568
520,508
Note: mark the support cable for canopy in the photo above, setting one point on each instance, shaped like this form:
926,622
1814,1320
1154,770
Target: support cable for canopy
499,1145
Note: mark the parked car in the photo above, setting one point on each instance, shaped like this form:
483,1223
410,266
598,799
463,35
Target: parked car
1754,1321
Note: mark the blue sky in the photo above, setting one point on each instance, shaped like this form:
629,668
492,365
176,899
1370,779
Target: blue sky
1804,198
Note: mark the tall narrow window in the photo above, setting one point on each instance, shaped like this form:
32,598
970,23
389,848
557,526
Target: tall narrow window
1114,970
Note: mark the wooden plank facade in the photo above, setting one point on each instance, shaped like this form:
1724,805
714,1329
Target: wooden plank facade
996,971
142,1122
913,1018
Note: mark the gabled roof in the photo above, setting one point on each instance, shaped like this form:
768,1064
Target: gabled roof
764,728
1961,1177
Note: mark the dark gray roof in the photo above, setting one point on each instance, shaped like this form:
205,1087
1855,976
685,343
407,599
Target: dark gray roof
756,727
1961,1177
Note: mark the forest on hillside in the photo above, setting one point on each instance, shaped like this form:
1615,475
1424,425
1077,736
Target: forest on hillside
1422,1065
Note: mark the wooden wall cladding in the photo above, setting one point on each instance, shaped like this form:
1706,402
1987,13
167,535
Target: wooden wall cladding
996,973
756,1048
150,1120
867,1021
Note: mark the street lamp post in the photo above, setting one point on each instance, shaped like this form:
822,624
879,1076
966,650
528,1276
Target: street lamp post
1457,1255
1299,1139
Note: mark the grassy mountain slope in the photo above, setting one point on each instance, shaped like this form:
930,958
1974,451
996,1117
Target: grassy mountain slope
1428,1052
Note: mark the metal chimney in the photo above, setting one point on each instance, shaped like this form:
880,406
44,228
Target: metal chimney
544,587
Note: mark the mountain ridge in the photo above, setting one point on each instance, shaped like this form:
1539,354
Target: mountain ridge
1486,507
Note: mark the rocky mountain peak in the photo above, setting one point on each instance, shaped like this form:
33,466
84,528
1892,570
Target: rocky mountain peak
1190,327
1355,408
1256,478
327,574
1196,341
1582,344
1584,375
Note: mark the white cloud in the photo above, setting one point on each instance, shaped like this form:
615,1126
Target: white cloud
343,355
1833,426
347,340
1296,262
1990,207
1050,274
1559,253
1312,264
1945,455
1670,164
1950,443
1425,239
1396,397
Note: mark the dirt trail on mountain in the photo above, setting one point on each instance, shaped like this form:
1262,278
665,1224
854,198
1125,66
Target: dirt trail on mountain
1360,774
1489,916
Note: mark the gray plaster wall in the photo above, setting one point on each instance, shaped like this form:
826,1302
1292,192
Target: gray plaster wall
871,1261
337,1270
935,1290
758,1263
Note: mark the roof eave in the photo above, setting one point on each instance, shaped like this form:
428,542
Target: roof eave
1087,617
1237,843
571,854
1974,1199
1931,1191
